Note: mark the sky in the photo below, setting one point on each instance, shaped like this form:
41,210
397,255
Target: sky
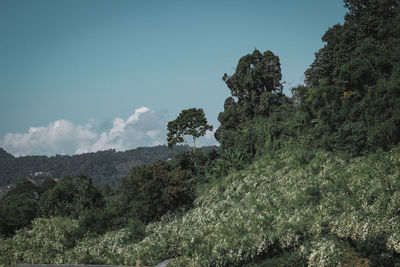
80,76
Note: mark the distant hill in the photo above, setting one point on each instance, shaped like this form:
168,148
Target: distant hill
4,155
105,167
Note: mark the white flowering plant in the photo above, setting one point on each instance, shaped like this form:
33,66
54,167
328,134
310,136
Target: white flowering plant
329,211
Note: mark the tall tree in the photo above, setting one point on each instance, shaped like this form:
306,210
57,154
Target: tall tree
189,122
255,74
256,91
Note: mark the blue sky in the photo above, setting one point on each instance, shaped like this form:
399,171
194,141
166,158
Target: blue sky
79,76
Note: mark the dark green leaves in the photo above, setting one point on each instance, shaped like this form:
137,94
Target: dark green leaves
70,197
251,116
351,94
189,122
255,73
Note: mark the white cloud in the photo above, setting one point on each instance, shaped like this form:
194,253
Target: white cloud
59,137
144,127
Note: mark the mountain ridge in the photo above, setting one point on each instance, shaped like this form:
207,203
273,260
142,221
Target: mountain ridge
104,167
5,155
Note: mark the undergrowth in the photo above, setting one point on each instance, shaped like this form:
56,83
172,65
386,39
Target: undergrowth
282,210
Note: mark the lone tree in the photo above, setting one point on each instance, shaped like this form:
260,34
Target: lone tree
189,122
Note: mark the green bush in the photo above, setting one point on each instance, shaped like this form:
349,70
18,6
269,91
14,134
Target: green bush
151,191
46,242
19,208
71,197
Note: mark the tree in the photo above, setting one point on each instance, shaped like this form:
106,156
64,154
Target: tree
353,84
19,208
255,74
150,191
189,122
25,189
70,197
256,91
16,213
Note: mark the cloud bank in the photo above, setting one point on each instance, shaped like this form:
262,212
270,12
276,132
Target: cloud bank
144,127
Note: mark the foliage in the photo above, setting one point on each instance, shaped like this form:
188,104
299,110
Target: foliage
280,207
309,180
17,213
150,191
46,185
252,116
255,74
47,241
26,188
278,211
226,161
104,167
353,84
70,197
19,208
189,122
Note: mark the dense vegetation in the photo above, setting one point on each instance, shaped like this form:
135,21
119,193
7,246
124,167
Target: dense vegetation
279,211
104,167
312,179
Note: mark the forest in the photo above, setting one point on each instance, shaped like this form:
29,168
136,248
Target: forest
310,179
104,167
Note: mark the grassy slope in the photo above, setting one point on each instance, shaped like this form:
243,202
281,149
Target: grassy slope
279,211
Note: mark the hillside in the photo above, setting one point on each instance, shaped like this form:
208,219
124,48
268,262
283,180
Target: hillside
280,211
311,179
4,155
104,167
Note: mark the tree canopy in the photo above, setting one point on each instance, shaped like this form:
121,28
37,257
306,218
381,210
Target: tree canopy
353,85
255,74
189,122
256,91
70,197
